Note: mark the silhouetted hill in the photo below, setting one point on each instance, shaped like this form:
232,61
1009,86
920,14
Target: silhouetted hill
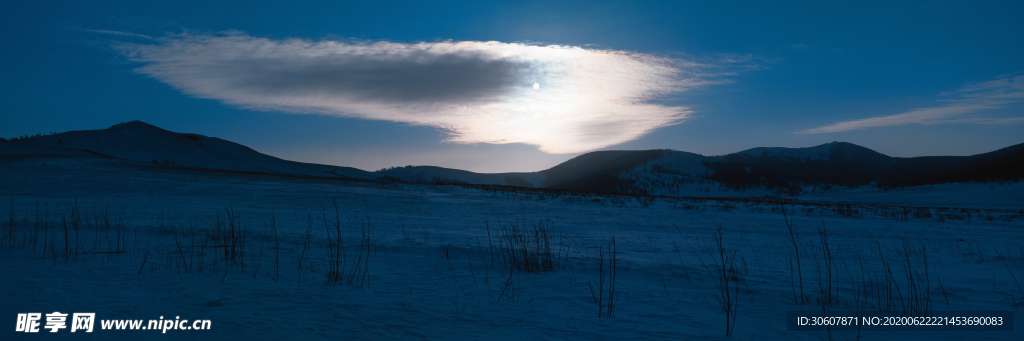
837,163
431,174
1005,164
597,171
141,142
775,170
756,171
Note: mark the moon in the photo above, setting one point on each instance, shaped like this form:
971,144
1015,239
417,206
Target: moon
536,85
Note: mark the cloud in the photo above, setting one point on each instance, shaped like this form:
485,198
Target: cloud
119,33
963,108
477,92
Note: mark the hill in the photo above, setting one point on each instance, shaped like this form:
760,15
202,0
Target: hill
141,142
752,172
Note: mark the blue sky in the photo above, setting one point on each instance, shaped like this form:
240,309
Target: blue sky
379,84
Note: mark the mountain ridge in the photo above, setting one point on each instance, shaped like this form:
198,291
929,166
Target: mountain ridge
754,171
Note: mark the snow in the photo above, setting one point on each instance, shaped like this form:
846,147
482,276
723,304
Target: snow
415,292
679,174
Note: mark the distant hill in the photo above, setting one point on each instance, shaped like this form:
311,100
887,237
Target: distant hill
598,171
752,172
141,142
783,170
1005,164
431,174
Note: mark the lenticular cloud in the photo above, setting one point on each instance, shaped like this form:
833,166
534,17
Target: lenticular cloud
478,92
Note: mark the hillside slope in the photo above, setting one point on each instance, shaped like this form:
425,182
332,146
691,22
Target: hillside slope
776,170
141,142
752,172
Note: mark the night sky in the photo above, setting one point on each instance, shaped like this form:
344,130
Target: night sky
519,86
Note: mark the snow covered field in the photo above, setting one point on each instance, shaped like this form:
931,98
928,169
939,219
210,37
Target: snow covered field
436,262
